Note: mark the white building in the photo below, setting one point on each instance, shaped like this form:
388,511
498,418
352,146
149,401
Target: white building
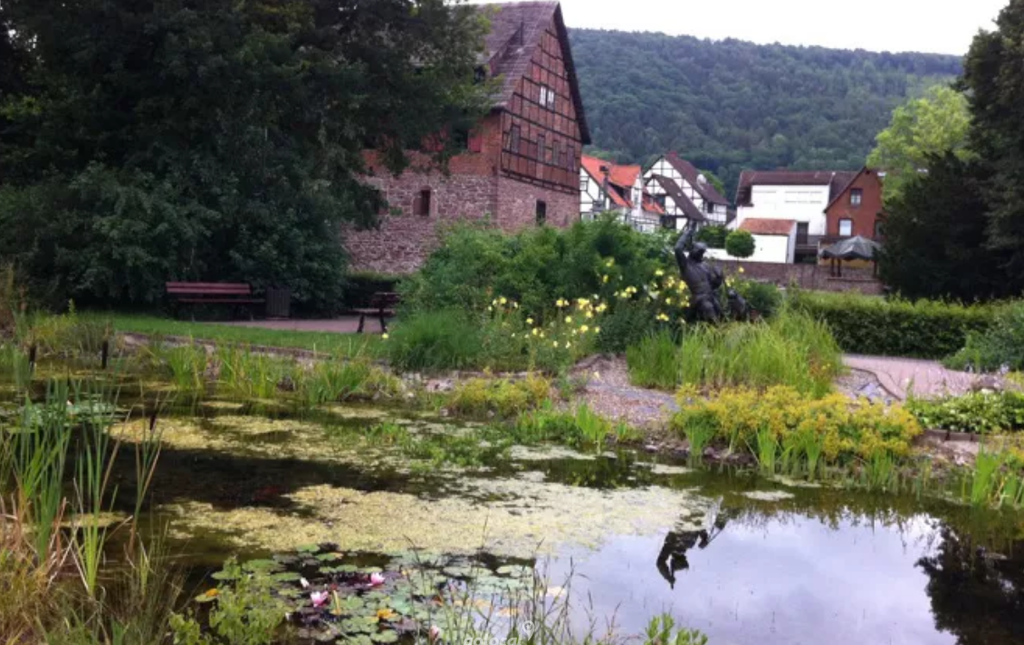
800,196
609,187
684,192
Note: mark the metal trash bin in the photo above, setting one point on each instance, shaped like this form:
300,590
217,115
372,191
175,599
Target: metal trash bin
279,302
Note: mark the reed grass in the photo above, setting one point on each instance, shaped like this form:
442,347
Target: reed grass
792,349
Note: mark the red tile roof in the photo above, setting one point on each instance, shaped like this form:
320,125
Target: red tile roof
624,177
764,226
516,30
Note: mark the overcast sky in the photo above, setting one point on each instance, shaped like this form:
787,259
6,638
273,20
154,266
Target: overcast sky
939,26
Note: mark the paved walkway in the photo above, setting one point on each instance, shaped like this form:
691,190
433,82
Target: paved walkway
901,376
341,325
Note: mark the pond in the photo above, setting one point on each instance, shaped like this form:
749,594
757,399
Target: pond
737,556
622,534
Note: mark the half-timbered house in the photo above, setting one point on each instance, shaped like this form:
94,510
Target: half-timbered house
684,193
521,164
609,187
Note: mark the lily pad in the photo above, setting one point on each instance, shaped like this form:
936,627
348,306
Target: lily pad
385,637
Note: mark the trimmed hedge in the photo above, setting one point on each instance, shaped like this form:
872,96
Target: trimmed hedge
873,325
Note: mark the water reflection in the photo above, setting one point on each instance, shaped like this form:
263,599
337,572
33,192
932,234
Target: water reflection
672,557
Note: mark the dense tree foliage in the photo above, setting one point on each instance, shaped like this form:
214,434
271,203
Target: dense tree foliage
936,235
731,105
994,76
146,142
921,128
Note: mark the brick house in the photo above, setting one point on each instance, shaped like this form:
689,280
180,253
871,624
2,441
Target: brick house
857,209
521,166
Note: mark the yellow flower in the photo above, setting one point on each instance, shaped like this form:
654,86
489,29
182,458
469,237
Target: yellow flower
597,330
742,270
590,314
668,301
490,308
212,593
536,331
604,279
386,614
601,308
584,329
561,302
529,321
554,343
515,305
568,344
568,320
663,318
659,273
513,335
503,300
610,263
384,336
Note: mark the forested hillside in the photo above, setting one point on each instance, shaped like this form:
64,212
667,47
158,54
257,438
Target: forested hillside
731,105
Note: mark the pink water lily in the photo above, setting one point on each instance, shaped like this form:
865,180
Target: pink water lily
319,598
376,579
435,633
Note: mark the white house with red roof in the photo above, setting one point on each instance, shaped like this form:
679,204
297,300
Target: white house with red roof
685,193
798,195
606,186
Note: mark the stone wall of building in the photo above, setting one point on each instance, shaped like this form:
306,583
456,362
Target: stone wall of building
404,240
517,205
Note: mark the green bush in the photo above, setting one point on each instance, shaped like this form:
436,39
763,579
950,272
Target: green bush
977,412
872,325
535,267
999,345
740,244
713,235
793,350
435,341
628,324
763,297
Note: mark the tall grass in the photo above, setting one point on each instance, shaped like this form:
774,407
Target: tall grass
435,341
250,375
792,349
187,364
654,362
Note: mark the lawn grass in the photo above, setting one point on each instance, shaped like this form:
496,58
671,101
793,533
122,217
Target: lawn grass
345,345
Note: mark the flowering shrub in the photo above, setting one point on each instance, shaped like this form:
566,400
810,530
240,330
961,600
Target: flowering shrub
503,397
833,427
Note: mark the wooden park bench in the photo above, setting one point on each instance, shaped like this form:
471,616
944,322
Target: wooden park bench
382,305
213,293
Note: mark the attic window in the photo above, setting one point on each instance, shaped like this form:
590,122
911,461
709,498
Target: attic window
856,196
547,97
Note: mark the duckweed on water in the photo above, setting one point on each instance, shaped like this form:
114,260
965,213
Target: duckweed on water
508,517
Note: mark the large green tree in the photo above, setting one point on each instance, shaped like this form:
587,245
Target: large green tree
994,76
934,124
936,232
216,139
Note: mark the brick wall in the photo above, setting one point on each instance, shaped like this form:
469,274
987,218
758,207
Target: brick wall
807,276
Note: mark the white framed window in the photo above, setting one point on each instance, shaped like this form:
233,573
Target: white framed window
856,197
547,97
846,227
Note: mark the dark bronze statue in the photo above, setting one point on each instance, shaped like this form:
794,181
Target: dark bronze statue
739,310
703,280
